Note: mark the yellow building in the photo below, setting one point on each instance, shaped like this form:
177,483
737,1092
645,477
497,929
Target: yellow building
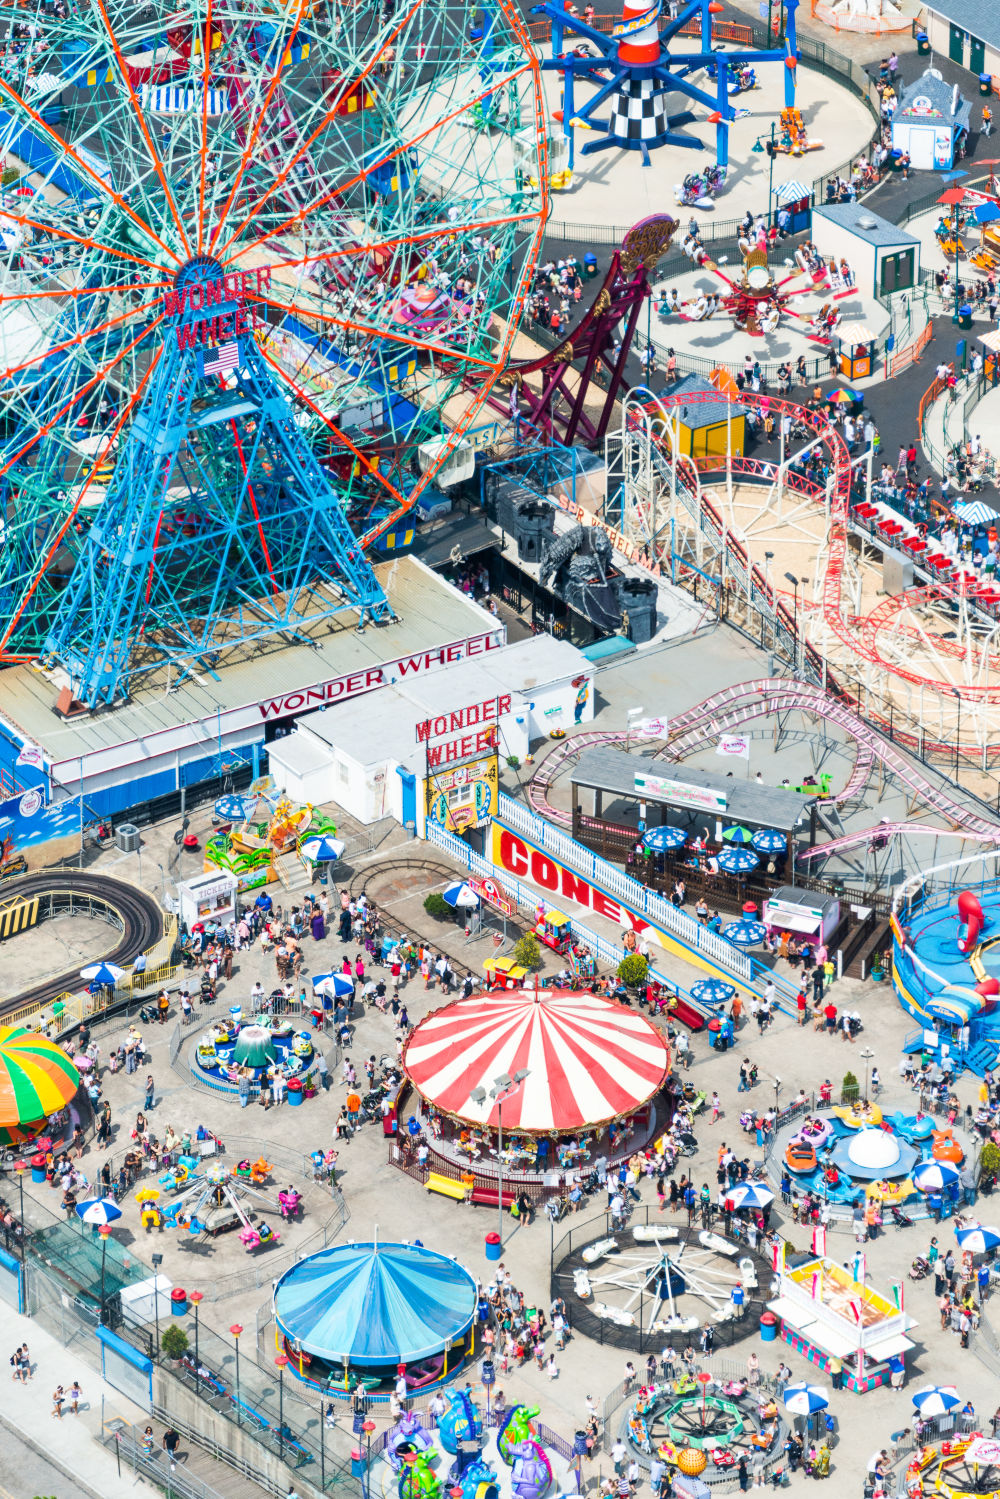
707,421
463,796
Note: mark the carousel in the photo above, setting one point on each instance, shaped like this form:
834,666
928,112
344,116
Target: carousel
535,1080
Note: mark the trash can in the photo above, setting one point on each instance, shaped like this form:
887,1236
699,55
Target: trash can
985,84
590,264
768,1327
178,1301
293,1091
493,1246
37,1169
965,316
357,1463
923,44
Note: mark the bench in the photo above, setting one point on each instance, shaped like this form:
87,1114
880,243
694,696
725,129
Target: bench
687,1015
446,1186
488,1195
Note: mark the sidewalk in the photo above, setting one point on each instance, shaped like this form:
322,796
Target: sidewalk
71,1444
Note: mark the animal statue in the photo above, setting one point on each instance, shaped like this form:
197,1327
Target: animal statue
531,1471
418,1480
478,1481
460,1423
518,1426
408,1435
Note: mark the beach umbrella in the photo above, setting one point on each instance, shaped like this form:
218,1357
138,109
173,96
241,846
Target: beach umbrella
745,933
661,840
936,1399
932,1176
712,991
976,512
334,984
985,213
105,975
738,860
952,195
806,1399
37,1078
737,834
459,894
978,1240
747,1195
321,850
98,1210
235,808
839,396
769,841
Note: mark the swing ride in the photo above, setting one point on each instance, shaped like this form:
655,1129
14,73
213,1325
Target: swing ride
217,1201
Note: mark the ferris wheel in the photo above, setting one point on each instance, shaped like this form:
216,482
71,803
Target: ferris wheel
319,222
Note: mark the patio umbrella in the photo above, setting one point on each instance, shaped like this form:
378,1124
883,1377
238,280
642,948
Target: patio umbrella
933,1175
745,933
712,991
769,841
321,850
936,1399
738,860
98,1210
747,1195
737,834
235,808
985,213
333,984
664,838
805,1399
105,975
839,396
978,1240
461,895
976,512
952,195
37,1078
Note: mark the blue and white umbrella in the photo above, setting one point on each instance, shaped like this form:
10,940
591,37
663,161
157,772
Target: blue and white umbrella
936,1399
745,933
975,512
334,984
321,850
661,840
738,860
806,1399
769,841
747,1195
98,1210
461,895
235,808
792,192
104,975
712,991
978,1240
934,1176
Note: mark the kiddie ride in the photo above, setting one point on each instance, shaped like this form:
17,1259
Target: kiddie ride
216,1202
251,849
411,1452
696,1428
699,188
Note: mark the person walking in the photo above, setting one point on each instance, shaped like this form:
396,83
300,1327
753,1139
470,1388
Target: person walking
58,1397
150,1090
75,1394
278,1089
171,1441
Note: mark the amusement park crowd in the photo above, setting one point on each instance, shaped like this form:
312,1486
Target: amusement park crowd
557,286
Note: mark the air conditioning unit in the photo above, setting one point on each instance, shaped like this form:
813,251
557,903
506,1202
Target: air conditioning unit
127,837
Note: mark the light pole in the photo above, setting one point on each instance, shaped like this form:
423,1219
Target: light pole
196,1297
157,1261
768,559
867,1056
770,148
104,1229
958,730
795,614
504,1087
281,1360
20,1169
236,1329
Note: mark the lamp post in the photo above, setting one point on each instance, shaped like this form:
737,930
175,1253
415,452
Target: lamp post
196,1297
504,1087
769,148
236,1329
867,1056
20,1169
104,1229
281,1360
157,1261
958,730
795,614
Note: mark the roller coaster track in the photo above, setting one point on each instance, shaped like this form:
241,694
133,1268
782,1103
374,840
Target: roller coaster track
138,912
702,724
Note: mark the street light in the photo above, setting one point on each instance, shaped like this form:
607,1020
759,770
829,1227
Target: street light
504,1087
281,1360
771,149
20,1168
795,613
236,1329
104,1229
196,1297
867,1056
958,730
157,1260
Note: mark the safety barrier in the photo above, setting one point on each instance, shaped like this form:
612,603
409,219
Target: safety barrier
18,917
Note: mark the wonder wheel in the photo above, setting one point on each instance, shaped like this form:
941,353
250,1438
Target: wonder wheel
252,256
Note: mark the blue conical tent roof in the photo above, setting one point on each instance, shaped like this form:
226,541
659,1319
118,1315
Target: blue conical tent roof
375,1303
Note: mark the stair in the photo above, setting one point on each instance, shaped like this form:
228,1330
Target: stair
293,874
984,1054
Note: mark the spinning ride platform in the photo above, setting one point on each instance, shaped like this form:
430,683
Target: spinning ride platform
703,1424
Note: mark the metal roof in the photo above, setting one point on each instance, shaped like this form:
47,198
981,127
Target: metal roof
747,802
704,413
880,232
981,17
430,613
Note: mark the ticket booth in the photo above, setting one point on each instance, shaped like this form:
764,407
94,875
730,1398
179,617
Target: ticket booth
796,197
857,350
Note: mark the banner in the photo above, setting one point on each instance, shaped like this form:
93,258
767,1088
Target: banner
734,744
655,728
30,755
819,1241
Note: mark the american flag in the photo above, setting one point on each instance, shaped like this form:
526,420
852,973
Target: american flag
221,360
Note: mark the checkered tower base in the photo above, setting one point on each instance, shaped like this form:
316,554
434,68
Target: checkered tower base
639,114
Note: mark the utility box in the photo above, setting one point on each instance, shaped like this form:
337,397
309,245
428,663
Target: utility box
128,837
897,573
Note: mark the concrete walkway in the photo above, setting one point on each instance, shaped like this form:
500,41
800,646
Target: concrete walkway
72,1444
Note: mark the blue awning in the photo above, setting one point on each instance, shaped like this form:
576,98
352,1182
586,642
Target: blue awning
375,1303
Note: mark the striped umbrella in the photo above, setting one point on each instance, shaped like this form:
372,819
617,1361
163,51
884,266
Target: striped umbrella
745,933
792,192
737,834
769,841
978,1240
321,850
976,512
738,860
936,1399
104,975
37,1078
333,984
460,894
712,991
932,1176
806,1399
98,1210
747,1195
661,840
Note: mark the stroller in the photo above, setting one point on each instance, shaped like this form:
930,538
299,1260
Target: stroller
899,1217
920,1268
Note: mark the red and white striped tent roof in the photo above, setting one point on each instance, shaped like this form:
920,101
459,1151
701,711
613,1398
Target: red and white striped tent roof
589,1059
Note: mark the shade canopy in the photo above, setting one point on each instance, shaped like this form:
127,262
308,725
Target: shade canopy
745,933
375,1304
99,1210
334,984
321,850
978,1239
932,1176
589,1060
975,512
769,841
235,808
936,1400
105,975
738,860
806,1399
459,894
712,991
747,1195
254,1046
664,838
37,1078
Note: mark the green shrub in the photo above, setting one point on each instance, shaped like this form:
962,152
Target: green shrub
632,970
174,1341
849,1089
436,905
989,1159
527,953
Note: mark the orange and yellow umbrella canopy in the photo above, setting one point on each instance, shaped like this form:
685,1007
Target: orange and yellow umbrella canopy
37,1078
